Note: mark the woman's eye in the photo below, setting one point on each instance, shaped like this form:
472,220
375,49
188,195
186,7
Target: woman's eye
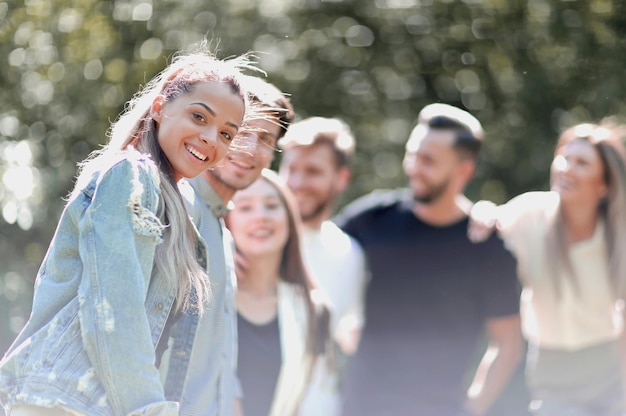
227,136
243,208
272,205
198,117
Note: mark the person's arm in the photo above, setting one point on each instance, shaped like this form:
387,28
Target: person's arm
482,221
350,325
119,232
230,253
347,336
237,407
622,345
499,362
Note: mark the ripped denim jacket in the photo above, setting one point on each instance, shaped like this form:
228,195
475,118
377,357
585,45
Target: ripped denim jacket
99,307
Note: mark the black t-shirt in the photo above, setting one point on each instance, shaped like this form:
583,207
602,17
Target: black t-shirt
258,364
429,297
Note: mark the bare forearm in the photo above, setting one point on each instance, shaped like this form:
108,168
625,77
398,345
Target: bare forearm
493,374
622,351
237,407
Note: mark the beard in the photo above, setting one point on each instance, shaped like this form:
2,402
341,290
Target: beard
321,207
316,212
231,180
224,180
433,193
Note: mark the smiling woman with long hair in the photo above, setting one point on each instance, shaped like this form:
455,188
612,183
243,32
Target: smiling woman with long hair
123,257
281,332
570,244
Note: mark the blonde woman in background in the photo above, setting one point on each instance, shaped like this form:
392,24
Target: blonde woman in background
570,244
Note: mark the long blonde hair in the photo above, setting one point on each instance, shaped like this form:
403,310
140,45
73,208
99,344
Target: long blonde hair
607,140
176,256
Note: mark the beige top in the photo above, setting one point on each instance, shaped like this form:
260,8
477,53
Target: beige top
578,318
297,363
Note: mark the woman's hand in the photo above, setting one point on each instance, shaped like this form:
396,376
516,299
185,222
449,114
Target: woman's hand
482,221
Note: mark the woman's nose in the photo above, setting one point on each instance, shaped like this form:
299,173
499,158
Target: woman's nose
209,136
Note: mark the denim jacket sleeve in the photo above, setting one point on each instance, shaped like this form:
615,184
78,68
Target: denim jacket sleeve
119,233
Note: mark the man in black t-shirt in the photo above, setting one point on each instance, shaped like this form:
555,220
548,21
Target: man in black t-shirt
432,292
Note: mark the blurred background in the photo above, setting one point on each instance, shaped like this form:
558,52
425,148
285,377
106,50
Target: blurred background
525,68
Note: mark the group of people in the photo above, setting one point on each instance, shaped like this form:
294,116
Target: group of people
187,278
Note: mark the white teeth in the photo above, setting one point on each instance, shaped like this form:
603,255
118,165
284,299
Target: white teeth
195,152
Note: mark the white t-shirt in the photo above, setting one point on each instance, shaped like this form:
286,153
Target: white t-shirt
337,265
577,318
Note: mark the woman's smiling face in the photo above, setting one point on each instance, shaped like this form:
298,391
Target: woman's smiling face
195,128
577,173
259,221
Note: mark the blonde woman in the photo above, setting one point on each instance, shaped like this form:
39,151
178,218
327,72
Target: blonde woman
122,260
570,243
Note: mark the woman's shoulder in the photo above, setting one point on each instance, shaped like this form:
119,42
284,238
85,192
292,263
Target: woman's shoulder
128,164
288,289
291,294
128,171
133,163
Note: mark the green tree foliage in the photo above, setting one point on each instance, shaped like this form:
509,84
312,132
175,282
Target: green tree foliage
526,69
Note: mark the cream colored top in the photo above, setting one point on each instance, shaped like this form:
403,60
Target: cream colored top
578,318
296,363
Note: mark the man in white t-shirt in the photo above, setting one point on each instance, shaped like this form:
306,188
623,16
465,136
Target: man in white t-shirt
314,164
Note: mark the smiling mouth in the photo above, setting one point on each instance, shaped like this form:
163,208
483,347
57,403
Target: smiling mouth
196,153
241,164
261,233
564,183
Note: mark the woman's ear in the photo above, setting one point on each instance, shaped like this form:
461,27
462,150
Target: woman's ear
156,109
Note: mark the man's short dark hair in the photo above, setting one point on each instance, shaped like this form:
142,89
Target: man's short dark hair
468,130
272,101
465,143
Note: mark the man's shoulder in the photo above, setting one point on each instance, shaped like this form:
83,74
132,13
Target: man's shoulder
196,202
372,204
192,200
187,192
338,240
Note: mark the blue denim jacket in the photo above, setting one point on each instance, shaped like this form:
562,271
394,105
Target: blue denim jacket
99,307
